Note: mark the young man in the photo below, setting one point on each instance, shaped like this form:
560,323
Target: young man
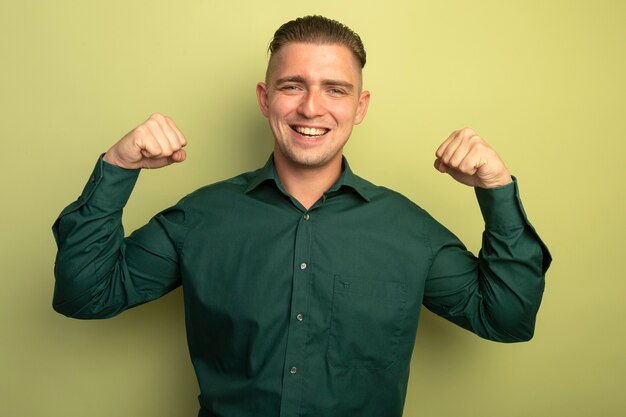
302,281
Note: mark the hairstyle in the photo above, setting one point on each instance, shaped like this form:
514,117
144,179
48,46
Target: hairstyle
319,30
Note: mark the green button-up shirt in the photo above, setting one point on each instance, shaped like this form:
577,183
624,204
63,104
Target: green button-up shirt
295,312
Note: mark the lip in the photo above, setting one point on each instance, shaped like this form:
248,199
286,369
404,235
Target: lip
308,140
292,125
293,129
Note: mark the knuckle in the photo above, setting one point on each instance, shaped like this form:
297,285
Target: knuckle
156,116
156,150
468,131
465,169
466,164
141,130
480,145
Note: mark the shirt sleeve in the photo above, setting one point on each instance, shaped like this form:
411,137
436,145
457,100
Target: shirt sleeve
498,294
98,272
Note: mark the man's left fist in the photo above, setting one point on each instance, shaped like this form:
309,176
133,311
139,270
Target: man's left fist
469,160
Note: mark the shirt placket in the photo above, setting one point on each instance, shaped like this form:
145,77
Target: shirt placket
294,368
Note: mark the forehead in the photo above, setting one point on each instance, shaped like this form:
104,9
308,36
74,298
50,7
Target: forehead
314,61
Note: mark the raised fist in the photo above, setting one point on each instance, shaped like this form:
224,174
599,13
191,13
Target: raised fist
471,161
155,143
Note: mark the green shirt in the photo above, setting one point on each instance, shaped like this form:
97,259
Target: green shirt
295,312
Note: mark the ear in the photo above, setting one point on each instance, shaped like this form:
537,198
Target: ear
361,110
261,95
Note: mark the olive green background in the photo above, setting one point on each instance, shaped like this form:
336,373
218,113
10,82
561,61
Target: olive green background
542,81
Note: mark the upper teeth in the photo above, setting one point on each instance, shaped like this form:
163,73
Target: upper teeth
310,131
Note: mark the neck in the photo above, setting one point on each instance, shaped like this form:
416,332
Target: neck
307,184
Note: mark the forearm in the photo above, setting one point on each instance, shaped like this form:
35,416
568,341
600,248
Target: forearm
498,294
512,265
89,265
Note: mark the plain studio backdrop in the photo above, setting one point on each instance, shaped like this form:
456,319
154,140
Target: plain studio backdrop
542,81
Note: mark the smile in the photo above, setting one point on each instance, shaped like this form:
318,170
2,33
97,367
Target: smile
312,132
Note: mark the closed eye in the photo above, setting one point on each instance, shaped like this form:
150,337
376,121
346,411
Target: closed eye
289,87
336,91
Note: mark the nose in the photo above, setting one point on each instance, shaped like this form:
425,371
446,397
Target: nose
311,105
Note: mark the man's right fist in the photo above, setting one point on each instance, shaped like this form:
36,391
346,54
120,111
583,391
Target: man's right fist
155,143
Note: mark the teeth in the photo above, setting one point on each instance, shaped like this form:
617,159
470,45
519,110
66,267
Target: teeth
310,131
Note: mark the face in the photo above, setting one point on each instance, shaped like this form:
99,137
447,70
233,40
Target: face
312,100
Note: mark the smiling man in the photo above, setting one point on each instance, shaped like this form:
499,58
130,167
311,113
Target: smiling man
302,281
312,98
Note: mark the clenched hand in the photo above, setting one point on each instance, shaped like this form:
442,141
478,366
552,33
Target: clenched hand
155,143
471,161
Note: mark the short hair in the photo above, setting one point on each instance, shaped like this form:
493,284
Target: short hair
318,30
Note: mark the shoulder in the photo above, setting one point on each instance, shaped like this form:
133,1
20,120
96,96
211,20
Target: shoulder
219,195
387,197
404,212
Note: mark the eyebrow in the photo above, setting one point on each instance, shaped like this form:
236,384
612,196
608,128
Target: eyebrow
301,80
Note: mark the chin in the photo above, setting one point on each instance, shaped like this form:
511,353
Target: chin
312,160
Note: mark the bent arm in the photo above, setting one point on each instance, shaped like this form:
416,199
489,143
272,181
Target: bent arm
498,294
98,272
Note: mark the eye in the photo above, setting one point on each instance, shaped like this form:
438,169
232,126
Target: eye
290,87
336,91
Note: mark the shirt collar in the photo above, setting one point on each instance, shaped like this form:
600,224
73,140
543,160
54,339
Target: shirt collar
347,179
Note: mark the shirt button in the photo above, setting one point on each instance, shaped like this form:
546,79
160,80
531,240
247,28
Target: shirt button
303,265
92,179
300,317
307,217
293,370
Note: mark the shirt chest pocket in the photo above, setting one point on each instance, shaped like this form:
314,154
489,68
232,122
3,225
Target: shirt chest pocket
366,322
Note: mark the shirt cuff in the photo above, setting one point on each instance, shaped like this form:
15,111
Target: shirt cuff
109,186
501,207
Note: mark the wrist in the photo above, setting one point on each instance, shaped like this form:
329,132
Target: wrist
501,182
112,158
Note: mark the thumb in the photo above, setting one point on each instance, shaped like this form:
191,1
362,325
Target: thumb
153,163
179,156
440,166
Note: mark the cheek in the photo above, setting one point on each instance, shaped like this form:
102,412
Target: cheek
282,107
345,116
344,111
